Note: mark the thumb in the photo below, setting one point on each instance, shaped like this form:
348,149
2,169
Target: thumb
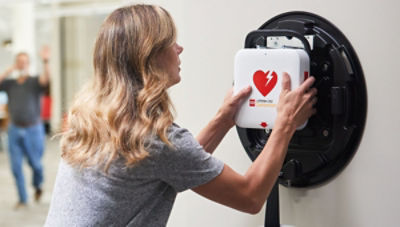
286,84
242,94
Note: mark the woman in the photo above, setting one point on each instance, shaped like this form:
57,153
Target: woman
123,158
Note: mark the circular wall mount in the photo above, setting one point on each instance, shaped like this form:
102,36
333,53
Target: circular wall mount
329,141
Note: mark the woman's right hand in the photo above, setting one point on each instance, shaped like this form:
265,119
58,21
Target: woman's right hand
296,106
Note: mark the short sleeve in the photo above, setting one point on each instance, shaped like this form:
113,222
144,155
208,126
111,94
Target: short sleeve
187,165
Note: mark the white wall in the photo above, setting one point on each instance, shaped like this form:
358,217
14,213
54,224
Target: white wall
366,192
23,38
205,33
79,37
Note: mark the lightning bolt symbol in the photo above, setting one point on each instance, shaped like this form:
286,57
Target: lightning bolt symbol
269,78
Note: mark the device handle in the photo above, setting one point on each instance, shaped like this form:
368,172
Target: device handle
257,36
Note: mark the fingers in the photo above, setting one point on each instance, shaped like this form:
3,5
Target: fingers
310,94
231,103
286,84
312,112
310,98
307,84
242,94
311,106
313,92
314,101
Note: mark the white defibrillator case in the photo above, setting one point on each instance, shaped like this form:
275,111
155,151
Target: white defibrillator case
262,69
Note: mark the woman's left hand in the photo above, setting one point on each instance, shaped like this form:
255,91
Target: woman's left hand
231,105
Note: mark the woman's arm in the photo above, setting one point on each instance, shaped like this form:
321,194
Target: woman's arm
248,193
210,136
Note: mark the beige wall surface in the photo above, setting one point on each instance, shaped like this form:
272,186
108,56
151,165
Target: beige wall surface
366,192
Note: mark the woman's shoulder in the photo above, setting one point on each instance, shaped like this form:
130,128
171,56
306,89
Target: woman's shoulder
182,138
178,134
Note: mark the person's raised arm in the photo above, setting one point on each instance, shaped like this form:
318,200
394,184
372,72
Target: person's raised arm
44,78
211,135
248,193
6,73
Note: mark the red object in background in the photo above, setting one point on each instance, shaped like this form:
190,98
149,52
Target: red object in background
46,108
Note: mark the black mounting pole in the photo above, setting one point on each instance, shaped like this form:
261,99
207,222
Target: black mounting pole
272,209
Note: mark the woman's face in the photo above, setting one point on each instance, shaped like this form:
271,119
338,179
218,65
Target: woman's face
169,60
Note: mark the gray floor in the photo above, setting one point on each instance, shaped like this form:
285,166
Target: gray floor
35,213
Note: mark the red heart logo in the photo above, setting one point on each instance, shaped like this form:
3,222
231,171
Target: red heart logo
265,82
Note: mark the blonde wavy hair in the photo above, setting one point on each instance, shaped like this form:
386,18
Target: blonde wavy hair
126,102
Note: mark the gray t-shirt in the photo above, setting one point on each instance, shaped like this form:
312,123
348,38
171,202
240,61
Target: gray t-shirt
23,100
142,195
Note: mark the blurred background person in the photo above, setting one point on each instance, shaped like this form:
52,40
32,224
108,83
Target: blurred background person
3,119
25,130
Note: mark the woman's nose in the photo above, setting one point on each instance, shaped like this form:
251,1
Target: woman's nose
179,48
